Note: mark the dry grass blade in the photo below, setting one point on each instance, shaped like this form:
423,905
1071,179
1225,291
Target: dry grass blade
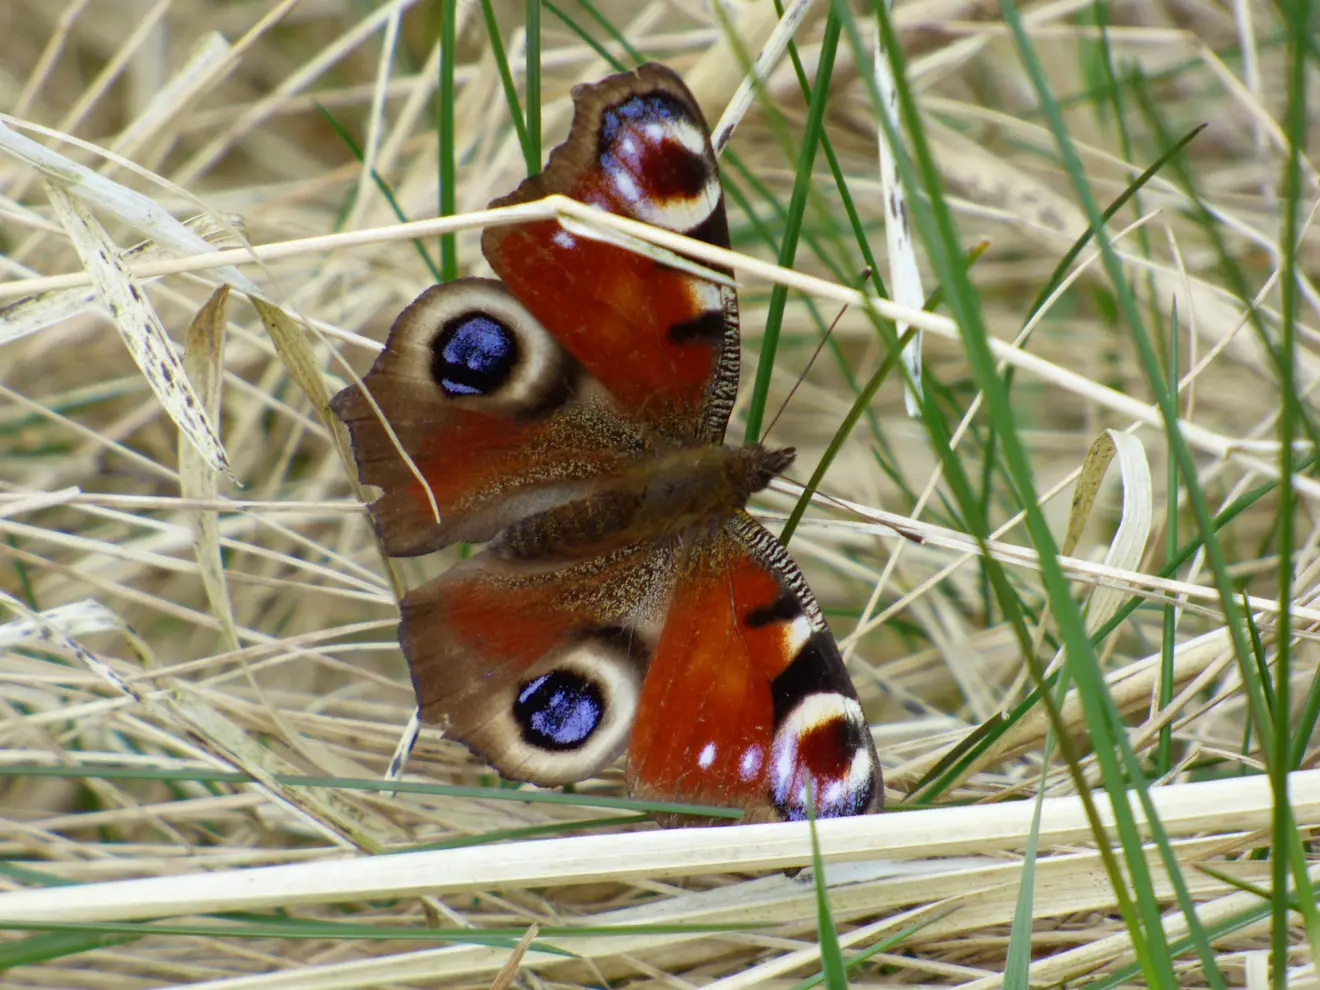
924,836
133,208
203,360
904,277
140,327
509,971
36,312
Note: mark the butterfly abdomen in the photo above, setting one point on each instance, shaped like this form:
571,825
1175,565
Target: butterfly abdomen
655,499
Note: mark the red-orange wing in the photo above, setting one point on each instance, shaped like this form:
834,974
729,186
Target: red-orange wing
747,702
664,343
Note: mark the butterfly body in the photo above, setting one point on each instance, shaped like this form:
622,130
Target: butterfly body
658,498
571,416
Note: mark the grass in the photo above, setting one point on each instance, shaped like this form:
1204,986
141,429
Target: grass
1076,592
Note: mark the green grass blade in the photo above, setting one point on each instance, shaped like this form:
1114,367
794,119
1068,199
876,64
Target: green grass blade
1298,14
1160,960
793,226
831,956
634,56
1164,750
1214,551
940,237
532,81
382,186
1017,964
530,155
37,949
445,99
371,784
585,35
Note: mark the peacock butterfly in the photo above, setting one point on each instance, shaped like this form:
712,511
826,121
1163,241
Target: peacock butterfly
571,416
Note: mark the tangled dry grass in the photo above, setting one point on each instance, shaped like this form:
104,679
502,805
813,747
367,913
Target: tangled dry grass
180,650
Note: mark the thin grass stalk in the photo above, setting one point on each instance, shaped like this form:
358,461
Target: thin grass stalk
620,39
863,242
1214,551
585,35
382,186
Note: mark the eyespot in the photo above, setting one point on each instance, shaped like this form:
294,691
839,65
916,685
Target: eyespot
559,710
480,348
657,159
473,354
570,713
822,749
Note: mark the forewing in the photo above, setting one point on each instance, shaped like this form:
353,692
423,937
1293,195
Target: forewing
663,342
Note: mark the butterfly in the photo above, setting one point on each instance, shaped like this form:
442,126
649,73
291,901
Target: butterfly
571,416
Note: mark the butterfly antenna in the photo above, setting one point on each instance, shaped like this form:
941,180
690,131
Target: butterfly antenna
866,273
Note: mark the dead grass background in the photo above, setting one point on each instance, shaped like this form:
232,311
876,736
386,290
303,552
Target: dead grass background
219,102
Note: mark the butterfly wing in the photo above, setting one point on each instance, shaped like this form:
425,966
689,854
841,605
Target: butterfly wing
538,669
497,419
747,701
663,342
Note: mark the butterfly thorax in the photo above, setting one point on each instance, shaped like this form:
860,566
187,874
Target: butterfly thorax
653,499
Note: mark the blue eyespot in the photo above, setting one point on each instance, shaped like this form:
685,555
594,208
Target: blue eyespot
473,354
558,710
